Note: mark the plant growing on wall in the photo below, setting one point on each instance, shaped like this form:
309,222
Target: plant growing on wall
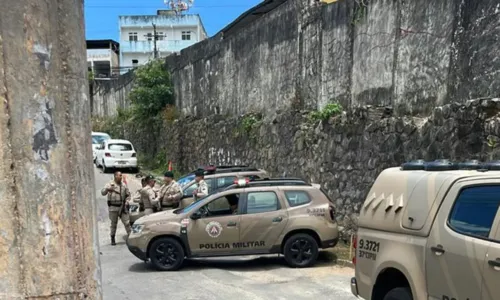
152,91
330,110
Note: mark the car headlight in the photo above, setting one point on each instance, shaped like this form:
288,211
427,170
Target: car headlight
137,228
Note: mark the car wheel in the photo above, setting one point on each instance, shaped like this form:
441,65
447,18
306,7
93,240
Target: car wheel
135,170
166,254
104,168
301,251
400,293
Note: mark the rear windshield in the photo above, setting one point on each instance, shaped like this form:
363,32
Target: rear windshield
185,180
120,147
98,139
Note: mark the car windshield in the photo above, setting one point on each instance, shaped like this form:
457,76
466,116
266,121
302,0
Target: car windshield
120,147
98,139
185,180
189,207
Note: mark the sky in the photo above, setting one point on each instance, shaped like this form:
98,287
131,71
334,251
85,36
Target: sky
101,16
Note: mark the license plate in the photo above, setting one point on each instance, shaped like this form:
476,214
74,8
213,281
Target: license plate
122,162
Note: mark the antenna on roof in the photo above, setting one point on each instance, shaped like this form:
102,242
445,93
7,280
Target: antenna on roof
178,5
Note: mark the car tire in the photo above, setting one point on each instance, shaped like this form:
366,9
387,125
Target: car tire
301,250
399,293
135,170
174,261
104,168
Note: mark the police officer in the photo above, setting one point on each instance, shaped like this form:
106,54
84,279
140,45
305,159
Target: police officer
118,199
137,195
170,193
148,195
202,189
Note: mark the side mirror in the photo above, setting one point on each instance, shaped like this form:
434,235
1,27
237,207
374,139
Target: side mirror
196,215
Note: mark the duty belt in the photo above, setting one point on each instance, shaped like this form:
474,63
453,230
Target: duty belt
115,205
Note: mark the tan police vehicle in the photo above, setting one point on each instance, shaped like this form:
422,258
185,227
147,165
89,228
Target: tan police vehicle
265,216
430,230
216,177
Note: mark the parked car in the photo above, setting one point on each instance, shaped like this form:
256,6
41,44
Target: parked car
430,230
217,178
97,139
277,215
116,154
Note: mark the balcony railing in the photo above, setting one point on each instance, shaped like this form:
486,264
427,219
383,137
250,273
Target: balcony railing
148,46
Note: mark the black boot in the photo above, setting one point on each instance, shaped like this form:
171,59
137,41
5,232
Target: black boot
113,243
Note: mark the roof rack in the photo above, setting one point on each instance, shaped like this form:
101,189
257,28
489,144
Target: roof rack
246,182
447,165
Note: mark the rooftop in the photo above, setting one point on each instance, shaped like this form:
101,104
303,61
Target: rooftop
103,44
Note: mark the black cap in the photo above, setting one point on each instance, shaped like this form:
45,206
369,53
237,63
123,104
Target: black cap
149,177
169,174
199,173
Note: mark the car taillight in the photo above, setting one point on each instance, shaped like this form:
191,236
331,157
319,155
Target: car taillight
332,213
354,246
107,154
134,154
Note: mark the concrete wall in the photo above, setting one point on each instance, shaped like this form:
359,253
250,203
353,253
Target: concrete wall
344,154
411,55
106,96
48,227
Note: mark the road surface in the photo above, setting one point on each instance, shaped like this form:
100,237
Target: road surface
266,277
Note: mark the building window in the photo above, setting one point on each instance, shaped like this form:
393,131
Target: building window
149,36
132,36
186,35
135,62
160,36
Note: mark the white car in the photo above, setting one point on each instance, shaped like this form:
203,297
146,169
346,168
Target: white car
97,139
116,154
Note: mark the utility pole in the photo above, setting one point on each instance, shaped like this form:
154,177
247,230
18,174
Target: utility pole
48,226
155,37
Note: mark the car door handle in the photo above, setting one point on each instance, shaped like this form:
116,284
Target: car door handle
438,250
494,263
231,224
277,219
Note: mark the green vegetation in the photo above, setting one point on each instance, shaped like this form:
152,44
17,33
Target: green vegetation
151,103
247,125
360,11
330,110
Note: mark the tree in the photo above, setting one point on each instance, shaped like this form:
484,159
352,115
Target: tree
152,91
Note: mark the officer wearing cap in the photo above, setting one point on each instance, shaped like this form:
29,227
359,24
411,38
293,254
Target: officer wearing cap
170,193
148,195
202,189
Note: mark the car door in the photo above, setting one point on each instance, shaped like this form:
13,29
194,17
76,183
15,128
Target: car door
459,240
263,219
218,232
491,273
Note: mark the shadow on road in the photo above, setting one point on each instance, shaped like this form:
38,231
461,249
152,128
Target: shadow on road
241,264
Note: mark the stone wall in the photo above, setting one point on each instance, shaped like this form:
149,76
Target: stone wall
410,55
344,154
108,95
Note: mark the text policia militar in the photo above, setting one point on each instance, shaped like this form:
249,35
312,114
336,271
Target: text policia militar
233,245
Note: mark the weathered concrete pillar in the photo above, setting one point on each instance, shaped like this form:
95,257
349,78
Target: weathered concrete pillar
48,229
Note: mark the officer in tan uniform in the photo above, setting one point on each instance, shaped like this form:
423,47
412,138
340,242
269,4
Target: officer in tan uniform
148,195
137,195
202,189
118,198
170,193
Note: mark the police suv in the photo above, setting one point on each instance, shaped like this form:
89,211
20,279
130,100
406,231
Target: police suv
266,216
430,230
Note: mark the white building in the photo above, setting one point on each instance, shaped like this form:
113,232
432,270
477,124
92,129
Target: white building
174,33
102,58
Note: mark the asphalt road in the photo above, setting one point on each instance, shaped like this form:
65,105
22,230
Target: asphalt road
265,277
